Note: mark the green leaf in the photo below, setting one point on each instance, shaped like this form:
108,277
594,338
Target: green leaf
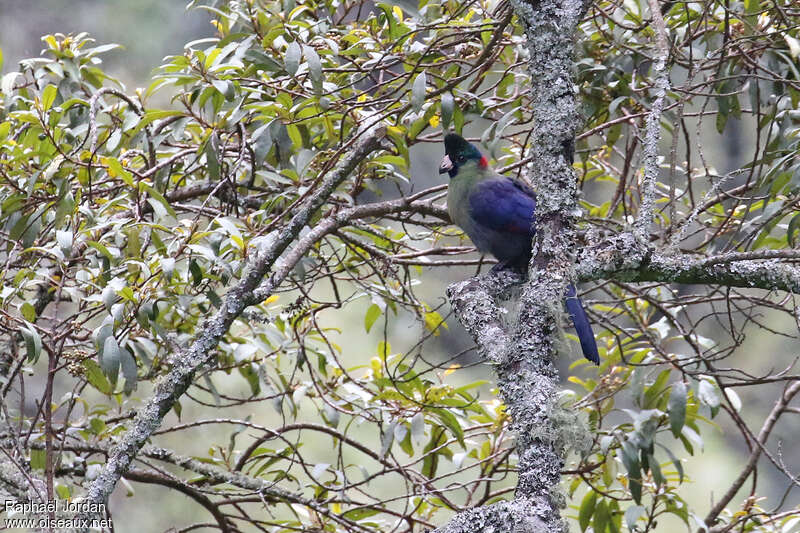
157,196
95,377
653,392
372,315
431,462
314,68
678,507
586,510
405,441
115,169
196,272
387,438
110,358
96,426
28,311
655,469
49,96
360,513
291,61
434,322
63,492
128,364
38,459
448,104
212,157
395,30
602,518
708,393
418,91
33,343
676,407
251,376
723,110
630,458
632,514
449,420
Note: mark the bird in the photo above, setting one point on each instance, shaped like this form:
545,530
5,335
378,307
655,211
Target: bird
498,214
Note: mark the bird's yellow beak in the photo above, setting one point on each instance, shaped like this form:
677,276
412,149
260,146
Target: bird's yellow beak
446,165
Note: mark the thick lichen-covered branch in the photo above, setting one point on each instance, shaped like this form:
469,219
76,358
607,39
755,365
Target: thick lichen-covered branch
625,258
475,304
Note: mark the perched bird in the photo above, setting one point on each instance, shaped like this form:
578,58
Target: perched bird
497,213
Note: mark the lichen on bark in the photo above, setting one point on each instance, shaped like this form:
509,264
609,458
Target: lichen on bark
524,349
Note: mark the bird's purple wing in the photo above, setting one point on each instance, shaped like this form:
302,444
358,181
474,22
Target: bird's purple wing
504,205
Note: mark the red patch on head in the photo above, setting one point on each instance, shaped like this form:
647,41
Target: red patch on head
483,162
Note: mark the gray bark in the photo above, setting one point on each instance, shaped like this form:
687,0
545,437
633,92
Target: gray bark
523,350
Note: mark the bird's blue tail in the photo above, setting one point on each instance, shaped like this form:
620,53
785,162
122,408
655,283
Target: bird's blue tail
581,322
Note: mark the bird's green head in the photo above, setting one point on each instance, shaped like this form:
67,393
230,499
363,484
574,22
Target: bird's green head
458,152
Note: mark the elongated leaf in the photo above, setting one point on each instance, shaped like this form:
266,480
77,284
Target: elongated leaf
33,343
448,103
630,458
49,96
601,517
314,68
128,364
212,157
418,91
675,461
291,61
387,439
110,358
451,422
418,429
708,393
676,407
587,509
372,315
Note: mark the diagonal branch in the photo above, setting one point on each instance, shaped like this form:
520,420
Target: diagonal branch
772,419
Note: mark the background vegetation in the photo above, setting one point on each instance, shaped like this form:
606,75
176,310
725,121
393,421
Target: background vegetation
345,397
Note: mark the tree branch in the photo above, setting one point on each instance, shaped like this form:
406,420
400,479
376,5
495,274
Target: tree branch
624,258
652,134
763,435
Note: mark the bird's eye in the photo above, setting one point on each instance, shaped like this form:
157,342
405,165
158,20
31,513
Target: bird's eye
460,158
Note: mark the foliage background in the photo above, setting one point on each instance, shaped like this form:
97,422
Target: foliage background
150,30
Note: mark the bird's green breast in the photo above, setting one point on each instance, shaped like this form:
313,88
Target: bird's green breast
458,193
